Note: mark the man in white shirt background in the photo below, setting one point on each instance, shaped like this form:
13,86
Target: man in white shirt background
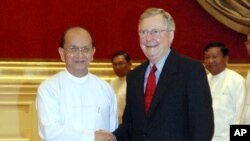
227,89
246,113
121,63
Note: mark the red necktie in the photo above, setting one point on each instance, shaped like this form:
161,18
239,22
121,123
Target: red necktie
150,88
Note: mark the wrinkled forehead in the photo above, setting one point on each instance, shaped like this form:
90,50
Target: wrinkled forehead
159,17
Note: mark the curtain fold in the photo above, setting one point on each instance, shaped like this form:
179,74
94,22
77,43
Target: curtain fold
234,14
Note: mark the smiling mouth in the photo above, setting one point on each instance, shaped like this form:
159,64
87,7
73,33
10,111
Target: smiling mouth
80,61
151,46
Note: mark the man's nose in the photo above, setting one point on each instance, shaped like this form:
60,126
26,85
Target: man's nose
148,36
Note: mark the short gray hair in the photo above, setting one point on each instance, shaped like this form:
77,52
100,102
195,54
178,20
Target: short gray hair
170,24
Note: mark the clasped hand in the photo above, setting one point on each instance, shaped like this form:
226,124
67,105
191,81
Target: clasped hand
102,135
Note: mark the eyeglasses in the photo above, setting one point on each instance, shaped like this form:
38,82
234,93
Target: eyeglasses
75,50
152,32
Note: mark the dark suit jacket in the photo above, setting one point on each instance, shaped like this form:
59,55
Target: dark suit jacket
181,109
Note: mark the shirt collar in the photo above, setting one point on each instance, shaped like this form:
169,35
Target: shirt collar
160,64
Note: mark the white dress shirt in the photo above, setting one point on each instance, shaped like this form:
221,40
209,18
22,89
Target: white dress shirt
246,113
119,85
72,109
228,93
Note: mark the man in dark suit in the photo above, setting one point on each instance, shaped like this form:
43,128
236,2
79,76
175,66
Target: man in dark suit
172,102
180,106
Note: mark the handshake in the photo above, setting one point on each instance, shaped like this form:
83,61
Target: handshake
102,135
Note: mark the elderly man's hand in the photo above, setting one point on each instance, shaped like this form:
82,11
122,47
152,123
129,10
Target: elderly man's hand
102,135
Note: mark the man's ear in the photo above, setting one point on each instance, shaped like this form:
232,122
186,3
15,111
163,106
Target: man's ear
171,36
93,53
61,52
227,59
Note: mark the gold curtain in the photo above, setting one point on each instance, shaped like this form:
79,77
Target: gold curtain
235,14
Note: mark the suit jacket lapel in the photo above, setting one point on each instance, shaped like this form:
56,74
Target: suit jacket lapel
140,89
166,75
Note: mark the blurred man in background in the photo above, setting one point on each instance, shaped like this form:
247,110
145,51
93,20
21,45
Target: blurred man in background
227,88
246,113
121,63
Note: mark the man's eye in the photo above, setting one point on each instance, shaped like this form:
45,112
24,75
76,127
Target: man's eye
73,49
144,32
86,49
154,31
